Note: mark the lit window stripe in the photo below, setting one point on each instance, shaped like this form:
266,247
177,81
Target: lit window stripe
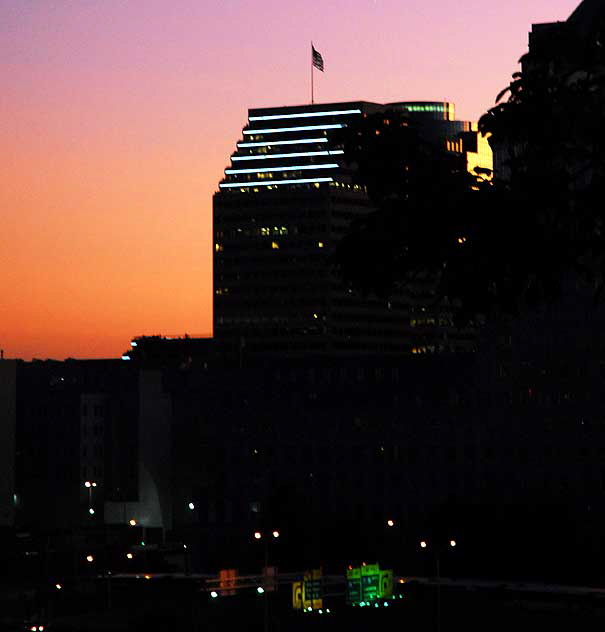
274,117
302,141
302,128
330,165
269,183
296,154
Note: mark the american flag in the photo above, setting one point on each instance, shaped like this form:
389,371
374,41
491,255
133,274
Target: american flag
318,60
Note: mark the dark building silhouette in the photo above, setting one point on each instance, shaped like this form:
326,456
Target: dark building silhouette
66,423
285,202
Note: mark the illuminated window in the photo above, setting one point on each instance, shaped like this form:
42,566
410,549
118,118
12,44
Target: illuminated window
218,247
276,130
320,244
272,117
268,170
243,187
274,245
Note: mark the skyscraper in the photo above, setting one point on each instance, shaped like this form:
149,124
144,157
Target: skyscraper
287,198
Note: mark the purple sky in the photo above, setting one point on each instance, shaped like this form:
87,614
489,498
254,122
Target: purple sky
117,118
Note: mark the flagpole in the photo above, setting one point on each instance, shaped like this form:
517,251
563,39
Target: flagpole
312,96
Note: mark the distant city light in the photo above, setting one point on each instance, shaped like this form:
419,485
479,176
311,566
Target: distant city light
191,506
133,344
58,586
423,544
260,590
214,594
257,535
90,558
87,484
91,511
94,484
276,534
452,542
125,357
391,523
129,556
132,522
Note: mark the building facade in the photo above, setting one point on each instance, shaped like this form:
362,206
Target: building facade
287,199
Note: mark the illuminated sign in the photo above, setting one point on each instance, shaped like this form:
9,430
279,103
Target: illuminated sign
367,583
227,580
311,595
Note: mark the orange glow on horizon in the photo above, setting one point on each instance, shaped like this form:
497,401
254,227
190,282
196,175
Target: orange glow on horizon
117,124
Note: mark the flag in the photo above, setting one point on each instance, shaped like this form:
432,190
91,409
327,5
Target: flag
318,60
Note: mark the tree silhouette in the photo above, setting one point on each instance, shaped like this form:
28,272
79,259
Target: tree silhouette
490,248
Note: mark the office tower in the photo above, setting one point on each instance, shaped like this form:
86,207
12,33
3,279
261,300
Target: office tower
286,200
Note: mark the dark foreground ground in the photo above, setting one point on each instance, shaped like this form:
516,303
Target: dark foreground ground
167,605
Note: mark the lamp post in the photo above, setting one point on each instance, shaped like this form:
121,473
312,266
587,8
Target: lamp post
89,486
258,535
437,550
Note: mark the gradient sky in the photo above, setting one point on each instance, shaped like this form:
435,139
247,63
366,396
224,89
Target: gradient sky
117,118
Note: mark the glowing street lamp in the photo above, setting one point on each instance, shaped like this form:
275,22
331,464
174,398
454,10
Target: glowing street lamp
89,485
191,506
257,535
132,522
276,534
90,558
390,523
423,544
129,556
452,543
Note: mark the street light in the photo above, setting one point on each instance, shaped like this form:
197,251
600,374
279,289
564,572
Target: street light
89,485
58,586
437,550
390,523
129,556
276,534
257,535
90,558
132,522
191,506
91,511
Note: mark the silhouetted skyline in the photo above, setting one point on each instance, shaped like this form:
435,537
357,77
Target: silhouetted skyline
118,121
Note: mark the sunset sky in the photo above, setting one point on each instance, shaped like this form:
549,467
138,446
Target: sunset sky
117,118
